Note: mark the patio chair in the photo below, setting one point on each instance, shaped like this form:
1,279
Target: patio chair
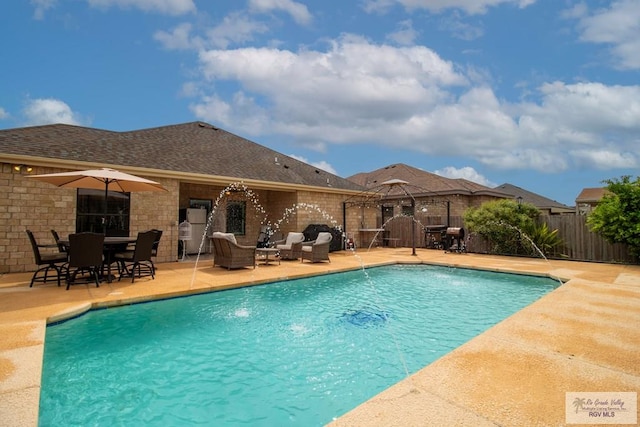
137,262
46,262
291,247
154,248
229,254
263,237
318,250
109,259
61,247
85,257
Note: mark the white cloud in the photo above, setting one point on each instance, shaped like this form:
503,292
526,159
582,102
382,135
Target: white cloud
322,164
353,79
583,113
190,89
212,109
357,92
471,7
298,11
617,26
49,111
577,11
377,6
467,173
405,35
543,159
41,6
168,7
607,159
460,29
235,28
241,111
3,114
179,38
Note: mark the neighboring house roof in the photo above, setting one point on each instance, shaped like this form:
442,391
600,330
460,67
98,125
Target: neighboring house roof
423,183
189,148
537,200
591,195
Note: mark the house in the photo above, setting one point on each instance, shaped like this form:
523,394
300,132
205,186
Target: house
544,204
243,184
434,201
588,199
428,189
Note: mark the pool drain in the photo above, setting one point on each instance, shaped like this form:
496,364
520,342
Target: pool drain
365,318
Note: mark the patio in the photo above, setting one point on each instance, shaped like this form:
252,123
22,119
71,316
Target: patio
583,336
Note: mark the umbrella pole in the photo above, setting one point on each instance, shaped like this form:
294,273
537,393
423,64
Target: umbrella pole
106,210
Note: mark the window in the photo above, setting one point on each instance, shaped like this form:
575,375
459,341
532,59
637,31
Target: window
387,214
236,217
91,211
201,204
407,210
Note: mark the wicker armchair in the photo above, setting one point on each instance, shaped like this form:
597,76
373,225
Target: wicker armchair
229,254
319,249
291,247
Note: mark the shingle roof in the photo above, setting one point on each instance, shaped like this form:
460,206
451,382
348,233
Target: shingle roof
530,197
194,147
423,183
591,195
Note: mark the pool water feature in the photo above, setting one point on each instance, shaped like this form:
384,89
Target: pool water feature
298,352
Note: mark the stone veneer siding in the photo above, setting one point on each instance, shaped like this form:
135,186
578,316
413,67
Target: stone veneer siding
287,211
41,207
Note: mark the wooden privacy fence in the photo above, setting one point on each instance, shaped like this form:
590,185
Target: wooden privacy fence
580,244
583,245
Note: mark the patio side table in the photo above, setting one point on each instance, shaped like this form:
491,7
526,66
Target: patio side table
264,255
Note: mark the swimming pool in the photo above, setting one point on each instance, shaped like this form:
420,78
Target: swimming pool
299,352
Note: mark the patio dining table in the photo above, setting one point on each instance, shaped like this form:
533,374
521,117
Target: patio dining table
111,245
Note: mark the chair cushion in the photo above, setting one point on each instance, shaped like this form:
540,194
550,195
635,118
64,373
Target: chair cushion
123,255
229,236
294,238
323,237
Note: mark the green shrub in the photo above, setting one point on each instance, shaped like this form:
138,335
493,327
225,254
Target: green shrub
511,228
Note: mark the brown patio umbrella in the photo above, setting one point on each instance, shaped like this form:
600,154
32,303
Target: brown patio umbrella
99,179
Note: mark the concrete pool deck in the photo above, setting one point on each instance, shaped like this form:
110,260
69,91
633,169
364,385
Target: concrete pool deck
582,337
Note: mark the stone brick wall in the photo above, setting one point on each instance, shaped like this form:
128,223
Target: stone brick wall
40,207
158,210
319,208
286,211
27,204
281,212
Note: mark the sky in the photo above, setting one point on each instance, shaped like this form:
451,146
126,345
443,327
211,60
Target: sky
542,94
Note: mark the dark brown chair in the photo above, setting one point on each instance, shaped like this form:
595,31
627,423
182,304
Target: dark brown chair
137,262
61,247
229,254
47,262
154,249
319,249
85,258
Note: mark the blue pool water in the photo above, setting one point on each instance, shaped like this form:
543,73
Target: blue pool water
299,352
